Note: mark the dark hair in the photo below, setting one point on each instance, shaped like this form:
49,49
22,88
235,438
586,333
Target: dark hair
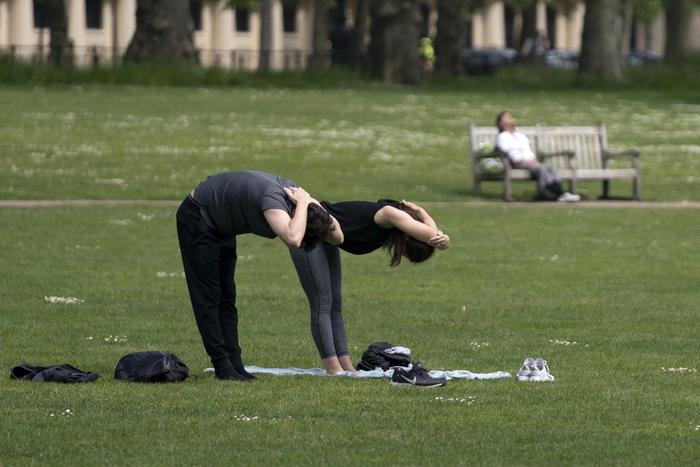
399,244
318,224
498,120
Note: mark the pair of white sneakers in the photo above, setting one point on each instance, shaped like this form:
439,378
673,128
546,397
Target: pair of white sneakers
534,370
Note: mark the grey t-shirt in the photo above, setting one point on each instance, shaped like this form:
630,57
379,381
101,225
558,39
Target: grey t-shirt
233,203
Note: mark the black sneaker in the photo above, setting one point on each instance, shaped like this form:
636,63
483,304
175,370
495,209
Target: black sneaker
417,376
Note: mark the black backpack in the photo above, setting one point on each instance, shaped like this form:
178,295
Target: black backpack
376,356
151,367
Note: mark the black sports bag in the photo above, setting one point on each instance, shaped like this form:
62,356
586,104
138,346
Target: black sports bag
151,367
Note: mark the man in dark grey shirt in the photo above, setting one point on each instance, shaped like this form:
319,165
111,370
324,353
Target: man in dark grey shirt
208,220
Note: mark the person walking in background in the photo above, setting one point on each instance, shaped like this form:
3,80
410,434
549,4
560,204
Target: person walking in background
209,219
405,229
517,147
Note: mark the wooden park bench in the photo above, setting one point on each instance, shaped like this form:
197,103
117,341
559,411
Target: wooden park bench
579,153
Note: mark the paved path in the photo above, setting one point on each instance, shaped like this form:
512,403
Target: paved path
583,204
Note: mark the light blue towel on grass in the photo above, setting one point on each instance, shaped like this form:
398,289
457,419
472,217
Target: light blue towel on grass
376,373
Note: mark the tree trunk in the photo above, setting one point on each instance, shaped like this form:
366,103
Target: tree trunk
359,46
395,33
164,32
626,28
59,44
449,40
600,44
319,55
266,34
528,28
677,29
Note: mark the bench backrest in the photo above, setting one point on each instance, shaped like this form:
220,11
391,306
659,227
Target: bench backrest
480,136
587,142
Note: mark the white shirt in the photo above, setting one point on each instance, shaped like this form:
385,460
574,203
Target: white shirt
515,145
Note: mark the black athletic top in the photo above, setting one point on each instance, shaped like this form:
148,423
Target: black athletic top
356,219
233,203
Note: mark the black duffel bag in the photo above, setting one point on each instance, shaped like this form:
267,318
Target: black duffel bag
151,367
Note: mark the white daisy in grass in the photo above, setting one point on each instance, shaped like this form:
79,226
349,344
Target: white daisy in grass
679,370
562,342
66,300
117,339
110,181
145,217
469,400
477,345
245,418
84,247
121,221
163,275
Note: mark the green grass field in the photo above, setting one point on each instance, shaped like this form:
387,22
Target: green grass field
156,143
609,296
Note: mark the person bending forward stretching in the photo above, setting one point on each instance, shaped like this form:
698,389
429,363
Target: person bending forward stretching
209,219
404,228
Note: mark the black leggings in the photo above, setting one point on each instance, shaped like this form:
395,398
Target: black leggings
319,273
210,262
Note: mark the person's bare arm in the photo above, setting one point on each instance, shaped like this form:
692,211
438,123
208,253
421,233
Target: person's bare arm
390,217
290,230
419,212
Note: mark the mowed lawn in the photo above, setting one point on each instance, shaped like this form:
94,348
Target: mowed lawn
156,143
609,296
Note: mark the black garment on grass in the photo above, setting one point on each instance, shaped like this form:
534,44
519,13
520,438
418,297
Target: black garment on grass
376,357
52,374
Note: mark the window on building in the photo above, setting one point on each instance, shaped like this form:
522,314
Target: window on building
196,14
93,14
39,14
289,18
242,20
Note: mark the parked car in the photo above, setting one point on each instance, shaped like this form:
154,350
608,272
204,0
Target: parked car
559,58
486,61
637,57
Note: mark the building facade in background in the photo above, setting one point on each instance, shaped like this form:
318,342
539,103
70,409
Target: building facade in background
101,30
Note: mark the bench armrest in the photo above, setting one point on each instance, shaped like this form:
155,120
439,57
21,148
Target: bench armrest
478,155
628,152
543,156
633,154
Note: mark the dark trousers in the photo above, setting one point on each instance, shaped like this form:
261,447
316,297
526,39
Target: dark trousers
210,262
548,180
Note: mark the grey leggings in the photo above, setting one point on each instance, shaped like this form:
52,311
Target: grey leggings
319,273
